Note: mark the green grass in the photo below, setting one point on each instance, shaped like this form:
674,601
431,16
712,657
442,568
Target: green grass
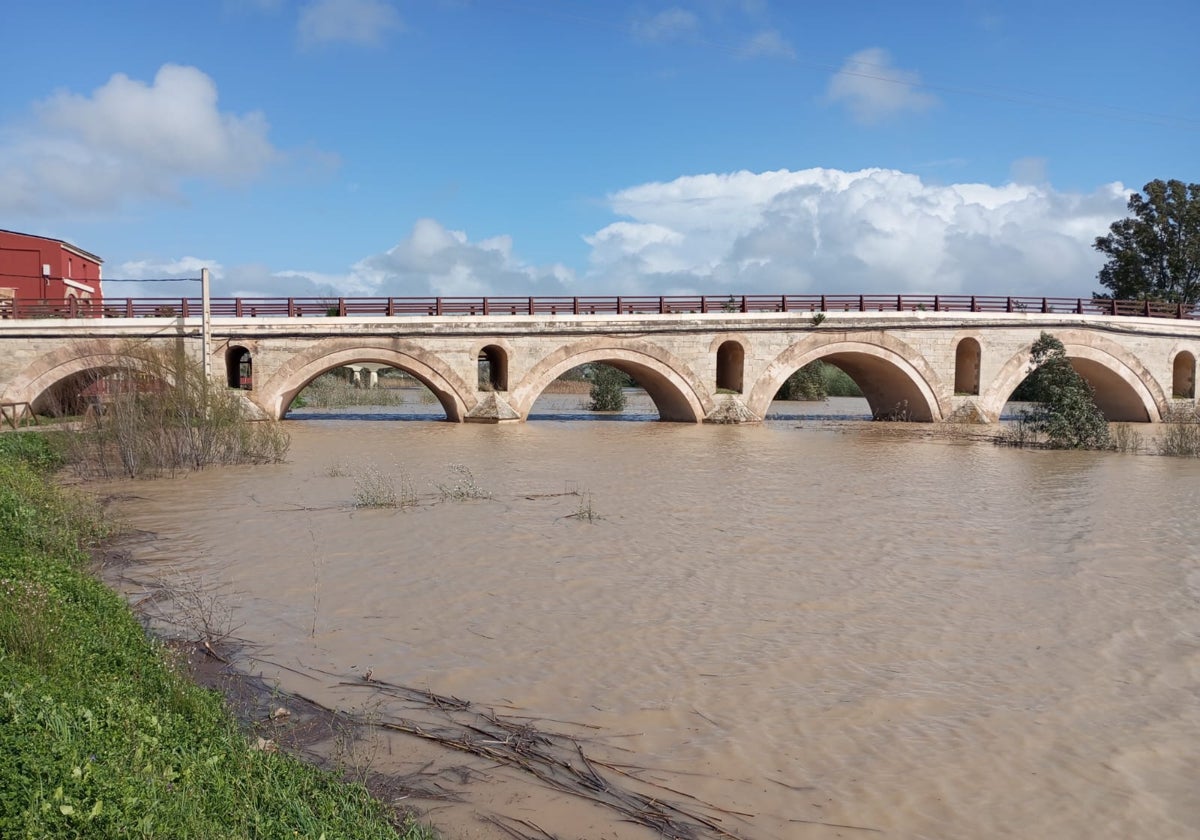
100,735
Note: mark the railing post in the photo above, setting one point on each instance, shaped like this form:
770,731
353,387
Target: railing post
291,307
1078,306
487,307
899,303
391,307
1147,307
662,305
73,307
237,307
1008,307
937,303
1045,305
532,305
974,307
618,304
128,307
862,303
744,309
704,304
575,305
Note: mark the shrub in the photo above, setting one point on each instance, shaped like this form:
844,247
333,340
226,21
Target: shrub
167,416
1064,405
607,392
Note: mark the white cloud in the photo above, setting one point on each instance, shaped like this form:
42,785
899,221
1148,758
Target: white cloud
362,22
815,231
128,140
829,231
767,44
873,90
667,25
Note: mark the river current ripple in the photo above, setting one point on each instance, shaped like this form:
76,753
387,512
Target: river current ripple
809,625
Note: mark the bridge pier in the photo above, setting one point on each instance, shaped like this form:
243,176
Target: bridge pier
493,408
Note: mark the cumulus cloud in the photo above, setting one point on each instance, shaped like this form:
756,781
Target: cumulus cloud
667,25
361,22
829,231
814,231
128,139
874,90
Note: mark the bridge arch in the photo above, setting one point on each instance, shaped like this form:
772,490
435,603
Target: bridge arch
894,377
49,383
277,393
669,382
1125,389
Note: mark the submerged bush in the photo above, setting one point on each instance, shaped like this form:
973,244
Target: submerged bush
607,392
1064,405
168,417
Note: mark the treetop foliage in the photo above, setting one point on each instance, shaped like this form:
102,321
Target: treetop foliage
1154,254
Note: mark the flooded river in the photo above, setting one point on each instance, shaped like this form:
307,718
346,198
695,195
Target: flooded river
821,631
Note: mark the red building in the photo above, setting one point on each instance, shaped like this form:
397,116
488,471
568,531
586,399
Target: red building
41,268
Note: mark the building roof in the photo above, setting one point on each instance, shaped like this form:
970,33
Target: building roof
72,248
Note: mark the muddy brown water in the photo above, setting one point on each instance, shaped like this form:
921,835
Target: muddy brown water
820,630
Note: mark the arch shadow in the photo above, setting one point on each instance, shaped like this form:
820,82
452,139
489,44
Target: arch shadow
895,379
670,384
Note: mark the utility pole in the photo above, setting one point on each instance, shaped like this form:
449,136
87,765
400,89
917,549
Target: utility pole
205,324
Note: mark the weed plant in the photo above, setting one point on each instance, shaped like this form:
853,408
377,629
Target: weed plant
1180,436
165,418
462,487
100,735
374,488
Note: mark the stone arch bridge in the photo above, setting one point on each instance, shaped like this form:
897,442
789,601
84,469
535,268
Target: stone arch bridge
710,366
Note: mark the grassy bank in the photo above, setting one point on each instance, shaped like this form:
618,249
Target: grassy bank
100,735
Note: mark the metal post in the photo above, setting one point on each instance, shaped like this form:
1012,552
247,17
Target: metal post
205,324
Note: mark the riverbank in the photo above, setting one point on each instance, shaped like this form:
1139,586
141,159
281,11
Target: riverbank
102,732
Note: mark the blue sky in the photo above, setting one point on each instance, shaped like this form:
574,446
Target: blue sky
372,147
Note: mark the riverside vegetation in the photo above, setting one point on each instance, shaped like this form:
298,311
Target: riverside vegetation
102,733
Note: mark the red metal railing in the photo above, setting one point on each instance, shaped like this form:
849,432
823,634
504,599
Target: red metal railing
388,307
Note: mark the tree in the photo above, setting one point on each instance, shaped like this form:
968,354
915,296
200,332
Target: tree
1064,403
607,388
1155,253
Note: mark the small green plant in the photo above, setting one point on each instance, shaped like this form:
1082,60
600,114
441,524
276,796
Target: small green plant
817,319
730,305
463,487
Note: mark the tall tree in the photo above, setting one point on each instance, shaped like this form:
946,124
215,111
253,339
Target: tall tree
1154,254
